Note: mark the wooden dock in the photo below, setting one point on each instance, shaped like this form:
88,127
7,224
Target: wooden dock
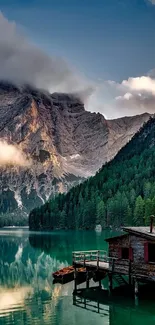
95,259
99,265
130,259
99,260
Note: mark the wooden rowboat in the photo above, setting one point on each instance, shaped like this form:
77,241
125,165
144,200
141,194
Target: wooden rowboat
67,274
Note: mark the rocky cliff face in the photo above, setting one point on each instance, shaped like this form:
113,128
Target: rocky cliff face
64,142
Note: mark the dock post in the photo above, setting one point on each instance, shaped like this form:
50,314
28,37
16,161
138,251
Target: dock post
136,287
73,258
75,280
87,279
98,305
98,258
110,282
130,281
136,292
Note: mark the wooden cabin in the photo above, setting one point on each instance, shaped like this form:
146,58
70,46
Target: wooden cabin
133,253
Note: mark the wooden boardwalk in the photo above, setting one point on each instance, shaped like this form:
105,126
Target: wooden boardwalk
94,264
98,265
96,259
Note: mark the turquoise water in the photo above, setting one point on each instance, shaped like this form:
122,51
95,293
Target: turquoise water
27,293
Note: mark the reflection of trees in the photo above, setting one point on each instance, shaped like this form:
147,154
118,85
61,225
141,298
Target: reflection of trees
61,244
30,260
26,286
51,245
23,271
43,242
9,247
26,266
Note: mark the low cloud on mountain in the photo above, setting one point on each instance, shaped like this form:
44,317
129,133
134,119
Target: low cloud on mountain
22,62
10,155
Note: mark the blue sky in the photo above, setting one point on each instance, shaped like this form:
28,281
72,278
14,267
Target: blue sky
104,39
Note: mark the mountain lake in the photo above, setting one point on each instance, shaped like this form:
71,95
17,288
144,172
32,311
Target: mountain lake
27,292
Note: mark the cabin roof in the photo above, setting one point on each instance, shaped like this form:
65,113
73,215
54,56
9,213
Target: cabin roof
141,231
137,231
115,237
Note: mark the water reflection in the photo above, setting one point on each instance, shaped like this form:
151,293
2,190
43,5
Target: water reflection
114,309
26,280
28,296
12,298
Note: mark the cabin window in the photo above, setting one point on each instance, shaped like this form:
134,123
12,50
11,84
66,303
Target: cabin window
125,253
151,252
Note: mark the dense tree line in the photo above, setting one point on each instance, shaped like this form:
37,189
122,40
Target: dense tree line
13,219
121,193
9,214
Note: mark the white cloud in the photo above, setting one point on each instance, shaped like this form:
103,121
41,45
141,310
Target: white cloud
126,96
141,97
152,1
10,155
22,62
144,83
130,97
137,104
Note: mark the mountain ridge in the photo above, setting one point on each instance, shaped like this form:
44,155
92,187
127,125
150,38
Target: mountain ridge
121,193
62,140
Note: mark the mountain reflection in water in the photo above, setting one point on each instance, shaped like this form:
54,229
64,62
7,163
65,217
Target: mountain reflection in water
27,293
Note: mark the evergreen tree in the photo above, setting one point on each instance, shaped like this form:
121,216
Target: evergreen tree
63,217
147,190
101,214
153,206
148,211
139,212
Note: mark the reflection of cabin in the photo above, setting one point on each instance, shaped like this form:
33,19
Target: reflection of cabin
131,254
113,309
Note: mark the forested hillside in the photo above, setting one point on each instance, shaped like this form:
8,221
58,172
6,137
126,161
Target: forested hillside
121,193
60,141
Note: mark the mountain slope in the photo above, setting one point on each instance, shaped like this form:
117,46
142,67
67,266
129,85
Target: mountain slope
61,139
122,192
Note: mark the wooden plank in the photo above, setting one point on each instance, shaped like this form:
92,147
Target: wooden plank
101,265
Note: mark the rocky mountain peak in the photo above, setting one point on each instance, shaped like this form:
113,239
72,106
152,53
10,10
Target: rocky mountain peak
65,143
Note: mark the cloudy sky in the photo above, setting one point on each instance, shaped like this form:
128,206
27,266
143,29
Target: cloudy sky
103,48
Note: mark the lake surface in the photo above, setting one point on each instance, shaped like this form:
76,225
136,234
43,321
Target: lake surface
27,293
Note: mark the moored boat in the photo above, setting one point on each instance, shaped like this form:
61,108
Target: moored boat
67,274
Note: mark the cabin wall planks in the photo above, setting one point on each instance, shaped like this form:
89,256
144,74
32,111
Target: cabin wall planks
140,268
